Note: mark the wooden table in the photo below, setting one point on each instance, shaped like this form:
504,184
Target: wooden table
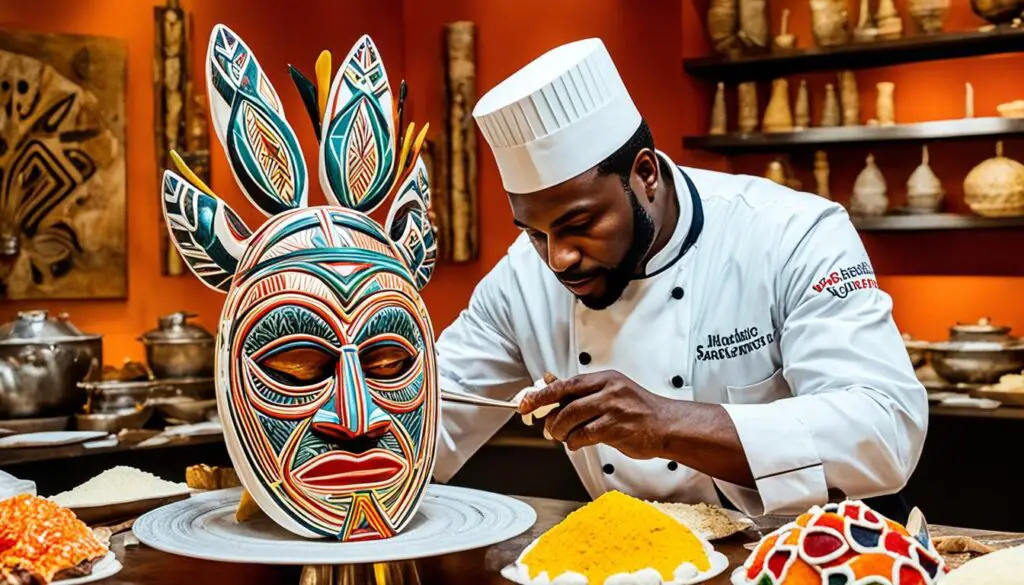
145,566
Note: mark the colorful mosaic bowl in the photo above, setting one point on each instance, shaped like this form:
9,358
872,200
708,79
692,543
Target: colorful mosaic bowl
842,544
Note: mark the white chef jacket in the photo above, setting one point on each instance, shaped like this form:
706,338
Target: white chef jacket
773,312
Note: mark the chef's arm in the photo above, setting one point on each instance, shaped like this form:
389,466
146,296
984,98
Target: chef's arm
477,354
703,437
859,416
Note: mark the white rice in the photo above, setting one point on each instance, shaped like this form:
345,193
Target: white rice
119,484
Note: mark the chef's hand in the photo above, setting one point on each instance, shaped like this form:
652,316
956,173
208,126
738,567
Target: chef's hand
605,407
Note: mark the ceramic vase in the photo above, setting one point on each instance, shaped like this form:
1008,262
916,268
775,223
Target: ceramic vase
830,111
888,21
802,112
869,191
718,118
747,107
928,15
723,22
850,98
778,117
885,109
829,22
924,189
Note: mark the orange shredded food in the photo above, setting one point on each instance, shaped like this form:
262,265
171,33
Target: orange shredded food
613,534
41,538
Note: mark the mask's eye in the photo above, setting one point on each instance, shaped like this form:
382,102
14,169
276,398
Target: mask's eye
386,361
300,365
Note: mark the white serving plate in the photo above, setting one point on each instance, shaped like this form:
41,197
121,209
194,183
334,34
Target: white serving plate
449,520
50,439
107,567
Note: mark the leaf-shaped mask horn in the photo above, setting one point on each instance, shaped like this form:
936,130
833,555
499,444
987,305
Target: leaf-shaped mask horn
207,233
358,162
247,116
409,225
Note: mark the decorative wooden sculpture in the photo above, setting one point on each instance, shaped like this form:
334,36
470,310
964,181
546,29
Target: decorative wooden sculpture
754,24
885,108
890,25
170,65
929,15
830,111
778,117
802,113
62,161
995,188
326,378
718,119
850,98
180,123
924,189
460,157
866,29
829,22
723,24
747,107
869,191
968,100
821,172
785,39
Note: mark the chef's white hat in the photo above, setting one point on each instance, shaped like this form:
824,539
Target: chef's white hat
557,117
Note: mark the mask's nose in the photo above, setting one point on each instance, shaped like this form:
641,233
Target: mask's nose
351,413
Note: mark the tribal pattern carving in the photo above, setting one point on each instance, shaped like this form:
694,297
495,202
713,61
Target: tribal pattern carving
326,378
60,166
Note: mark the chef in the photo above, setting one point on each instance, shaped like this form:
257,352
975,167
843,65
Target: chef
717,338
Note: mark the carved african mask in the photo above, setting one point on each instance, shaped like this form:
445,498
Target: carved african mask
326,382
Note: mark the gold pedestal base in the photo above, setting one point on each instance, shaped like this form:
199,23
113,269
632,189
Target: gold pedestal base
393,573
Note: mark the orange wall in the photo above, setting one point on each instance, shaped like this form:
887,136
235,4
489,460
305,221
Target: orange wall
937,278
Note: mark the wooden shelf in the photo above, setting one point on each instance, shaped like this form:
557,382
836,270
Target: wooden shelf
946,130
857,55
934,221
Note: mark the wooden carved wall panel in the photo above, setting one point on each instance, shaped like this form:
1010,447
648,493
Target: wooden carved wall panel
62,167
180,122
458,183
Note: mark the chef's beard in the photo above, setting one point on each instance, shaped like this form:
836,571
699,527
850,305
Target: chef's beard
618,278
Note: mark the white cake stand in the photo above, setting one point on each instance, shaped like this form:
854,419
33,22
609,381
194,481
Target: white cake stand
449,520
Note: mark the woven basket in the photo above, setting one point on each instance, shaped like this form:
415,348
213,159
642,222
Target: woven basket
995,188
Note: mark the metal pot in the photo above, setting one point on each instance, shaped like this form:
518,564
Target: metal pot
975,362
42,360
126,397
178,349
916,350
983,330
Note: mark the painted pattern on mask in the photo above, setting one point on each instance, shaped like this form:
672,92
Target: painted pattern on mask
326,375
